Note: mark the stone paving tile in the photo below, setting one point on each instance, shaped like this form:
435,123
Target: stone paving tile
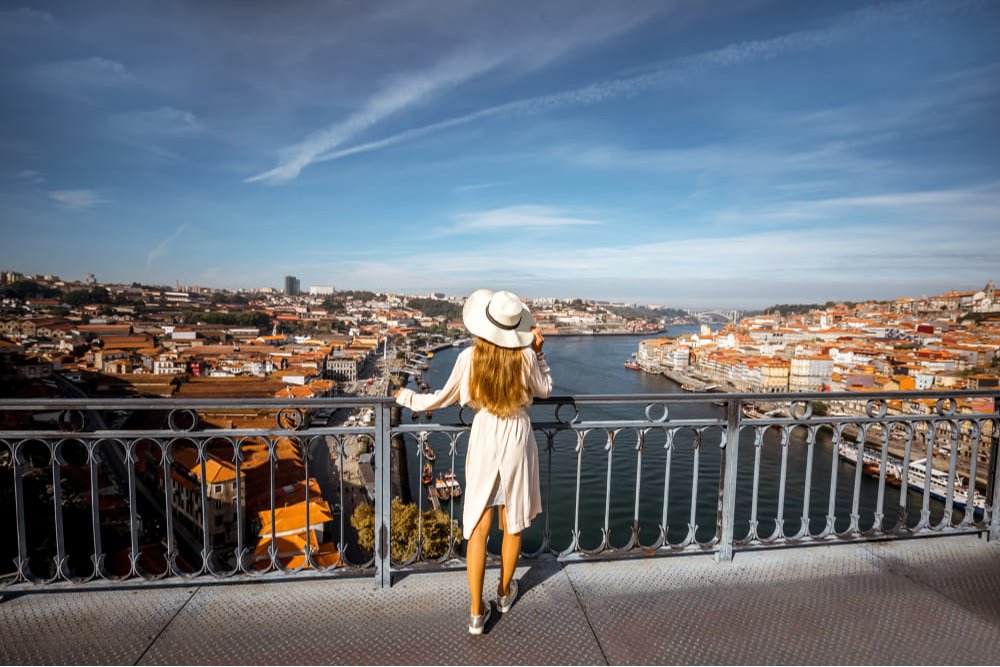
85,627
920,601
819,605
421,620
955,568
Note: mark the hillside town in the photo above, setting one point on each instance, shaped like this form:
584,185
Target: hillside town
82,339
948,341
126,340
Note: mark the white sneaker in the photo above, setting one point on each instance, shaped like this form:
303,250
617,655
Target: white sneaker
505,602
477,623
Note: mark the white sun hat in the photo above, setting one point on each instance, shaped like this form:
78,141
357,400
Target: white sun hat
498,317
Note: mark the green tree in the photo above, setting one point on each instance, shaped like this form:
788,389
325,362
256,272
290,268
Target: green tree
222,297
360,295
334,305
256,319
437,308
28,289
403,529
84,297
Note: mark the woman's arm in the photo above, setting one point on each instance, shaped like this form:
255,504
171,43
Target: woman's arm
539,377
441,398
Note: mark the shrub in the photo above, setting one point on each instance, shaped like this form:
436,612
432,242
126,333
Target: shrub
403,529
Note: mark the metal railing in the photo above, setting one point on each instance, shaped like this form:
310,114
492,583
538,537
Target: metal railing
175,489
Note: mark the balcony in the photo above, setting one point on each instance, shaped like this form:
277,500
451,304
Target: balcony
209,487
139,506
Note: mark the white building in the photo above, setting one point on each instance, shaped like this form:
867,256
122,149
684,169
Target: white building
344,368
321,290
809,373
677,357
169,364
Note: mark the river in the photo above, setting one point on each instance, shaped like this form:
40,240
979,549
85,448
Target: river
595,365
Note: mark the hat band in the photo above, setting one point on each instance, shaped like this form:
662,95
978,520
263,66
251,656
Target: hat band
505,327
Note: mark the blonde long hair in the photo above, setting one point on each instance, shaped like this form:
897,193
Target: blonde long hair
496,381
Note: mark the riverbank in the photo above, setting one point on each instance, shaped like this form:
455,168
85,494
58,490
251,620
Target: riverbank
571,332
873,437
896,444
698,383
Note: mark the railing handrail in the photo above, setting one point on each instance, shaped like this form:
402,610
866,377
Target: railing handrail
373,401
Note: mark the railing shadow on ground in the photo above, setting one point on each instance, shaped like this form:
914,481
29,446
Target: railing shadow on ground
241,490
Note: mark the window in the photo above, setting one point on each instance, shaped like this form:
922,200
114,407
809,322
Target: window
218,488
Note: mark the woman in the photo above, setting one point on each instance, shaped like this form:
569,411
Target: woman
497,377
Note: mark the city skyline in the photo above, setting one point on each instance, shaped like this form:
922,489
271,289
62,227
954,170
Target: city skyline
733,156
90,280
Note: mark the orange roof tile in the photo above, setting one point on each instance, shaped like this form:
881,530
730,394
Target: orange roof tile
292,518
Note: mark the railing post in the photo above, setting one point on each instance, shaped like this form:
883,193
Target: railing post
727,496
993,481
383,502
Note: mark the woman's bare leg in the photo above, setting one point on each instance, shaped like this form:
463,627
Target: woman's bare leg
510,550
475,560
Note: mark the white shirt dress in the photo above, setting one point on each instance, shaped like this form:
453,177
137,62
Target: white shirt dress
502,461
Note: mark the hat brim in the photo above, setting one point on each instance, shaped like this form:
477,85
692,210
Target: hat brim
474,316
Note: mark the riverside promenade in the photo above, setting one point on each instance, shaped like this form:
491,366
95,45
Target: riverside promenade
916,601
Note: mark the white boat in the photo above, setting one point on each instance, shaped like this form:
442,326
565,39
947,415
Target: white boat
871,463
916,478
939,485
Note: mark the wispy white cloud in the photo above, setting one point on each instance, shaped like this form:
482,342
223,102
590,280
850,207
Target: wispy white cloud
76,198
163,246
931,209
531,50
835,156
669,72
478,186
162,121
24,17
750,269
919,239
26,177
392,98
523,217
76,75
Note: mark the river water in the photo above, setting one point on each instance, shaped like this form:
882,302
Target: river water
595,365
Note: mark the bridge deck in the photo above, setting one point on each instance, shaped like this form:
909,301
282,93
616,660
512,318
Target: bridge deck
924,601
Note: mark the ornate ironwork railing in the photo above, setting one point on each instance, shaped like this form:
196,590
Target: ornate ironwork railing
113,490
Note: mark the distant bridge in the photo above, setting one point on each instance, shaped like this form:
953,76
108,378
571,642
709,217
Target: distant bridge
715,315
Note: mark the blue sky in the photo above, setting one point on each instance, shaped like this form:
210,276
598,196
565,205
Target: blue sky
686,153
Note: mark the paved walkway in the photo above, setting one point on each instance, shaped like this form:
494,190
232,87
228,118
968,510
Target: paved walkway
925,601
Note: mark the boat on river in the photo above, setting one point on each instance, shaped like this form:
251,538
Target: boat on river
916,479
939,485
632,363
447,486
